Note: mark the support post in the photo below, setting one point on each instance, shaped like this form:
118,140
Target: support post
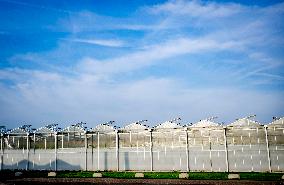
55,151
2,152
151,149
187,150
98,150
226,148
68,138
28,148
210,152
2,143
117,149
62,141
93,152
45,142
34,142
267,148
86,154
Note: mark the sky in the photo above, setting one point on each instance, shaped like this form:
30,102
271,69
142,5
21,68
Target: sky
93,61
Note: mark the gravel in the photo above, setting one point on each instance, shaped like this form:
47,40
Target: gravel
107,181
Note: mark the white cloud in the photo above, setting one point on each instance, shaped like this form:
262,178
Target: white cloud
109,43
198,9
151,55
48,97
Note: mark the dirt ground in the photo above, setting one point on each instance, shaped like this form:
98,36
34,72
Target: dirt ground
108,181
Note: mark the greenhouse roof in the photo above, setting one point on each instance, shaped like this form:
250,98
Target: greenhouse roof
3,129
136,126
104,127
277,122
47,129
169,124
245,122
22,130
205,123
78,127
139,126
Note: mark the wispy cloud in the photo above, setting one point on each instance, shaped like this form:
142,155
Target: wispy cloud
198,9
152,55
108,43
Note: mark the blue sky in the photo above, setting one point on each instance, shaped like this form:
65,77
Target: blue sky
94,61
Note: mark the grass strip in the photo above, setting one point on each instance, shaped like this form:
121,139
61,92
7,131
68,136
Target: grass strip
74,174
260,176
122,175
208,175
161,175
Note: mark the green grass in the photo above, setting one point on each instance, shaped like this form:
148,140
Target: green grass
9,174
260,176
208,175
161,175
74,174
122,175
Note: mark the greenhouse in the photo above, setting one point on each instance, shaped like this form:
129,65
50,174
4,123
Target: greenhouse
242,146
